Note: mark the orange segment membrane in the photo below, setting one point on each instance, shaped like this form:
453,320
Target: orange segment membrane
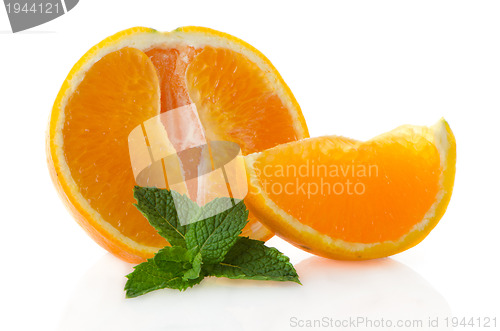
357,192
171,65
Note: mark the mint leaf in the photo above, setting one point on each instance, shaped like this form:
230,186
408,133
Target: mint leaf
208,247
215,235
175,260
179,261
158,207
251,259
148,276
187,209
195,270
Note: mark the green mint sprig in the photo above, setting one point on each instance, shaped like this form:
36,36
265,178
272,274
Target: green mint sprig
211,246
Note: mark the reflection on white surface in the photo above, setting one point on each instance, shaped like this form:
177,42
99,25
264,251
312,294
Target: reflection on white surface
331,290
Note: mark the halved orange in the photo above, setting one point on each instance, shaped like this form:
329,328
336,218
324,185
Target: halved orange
137,74
346,199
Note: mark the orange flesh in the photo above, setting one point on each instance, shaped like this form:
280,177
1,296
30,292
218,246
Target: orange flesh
236,102
385,204
118,93
124,88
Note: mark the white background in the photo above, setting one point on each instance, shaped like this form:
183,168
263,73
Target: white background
357,68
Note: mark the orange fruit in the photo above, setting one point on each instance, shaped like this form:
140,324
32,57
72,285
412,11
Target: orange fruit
346,199
137,74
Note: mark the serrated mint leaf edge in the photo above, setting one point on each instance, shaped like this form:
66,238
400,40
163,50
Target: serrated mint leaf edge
168,280
218,270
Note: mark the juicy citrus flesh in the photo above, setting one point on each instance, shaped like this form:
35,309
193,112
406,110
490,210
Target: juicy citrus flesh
343,198
88,151
251,115
106,106
354,192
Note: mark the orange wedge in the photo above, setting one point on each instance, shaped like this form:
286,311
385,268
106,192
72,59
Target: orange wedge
137,74
346,199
